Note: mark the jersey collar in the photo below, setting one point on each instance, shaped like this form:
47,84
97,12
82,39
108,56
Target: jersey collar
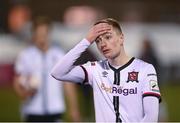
122,67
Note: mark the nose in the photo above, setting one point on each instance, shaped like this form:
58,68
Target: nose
103,44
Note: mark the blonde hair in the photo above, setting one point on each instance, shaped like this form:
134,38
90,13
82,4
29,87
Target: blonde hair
114,23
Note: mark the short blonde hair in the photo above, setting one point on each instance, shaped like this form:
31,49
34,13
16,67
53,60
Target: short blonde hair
114,23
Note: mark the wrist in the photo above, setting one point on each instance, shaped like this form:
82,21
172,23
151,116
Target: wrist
89,41
86,41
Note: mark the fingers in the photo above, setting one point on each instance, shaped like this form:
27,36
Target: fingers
98,30
101,32
102,28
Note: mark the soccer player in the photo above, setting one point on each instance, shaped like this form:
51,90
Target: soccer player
125,88
42,96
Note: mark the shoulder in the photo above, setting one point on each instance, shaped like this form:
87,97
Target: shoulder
27,51
143,65
26,55
97,64
90,64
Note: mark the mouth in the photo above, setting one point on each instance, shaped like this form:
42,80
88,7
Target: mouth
105,51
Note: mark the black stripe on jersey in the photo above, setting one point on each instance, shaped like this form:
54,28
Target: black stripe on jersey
117,77
153,94
116,108
122,67
117,71
117,82
86,75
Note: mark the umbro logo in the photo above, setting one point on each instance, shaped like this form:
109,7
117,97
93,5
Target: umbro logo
104,74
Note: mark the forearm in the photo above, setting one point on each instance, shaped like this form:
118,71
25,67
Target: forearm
65,64
63,69
151,109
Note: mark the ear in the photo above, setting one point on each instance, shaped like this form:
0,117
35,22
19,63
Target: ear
121,38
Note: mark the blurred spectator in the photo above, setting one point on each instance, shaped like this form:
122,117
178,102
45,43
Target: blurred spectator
148,54
19,22
82,15
4,6
133,12
174,70
42,97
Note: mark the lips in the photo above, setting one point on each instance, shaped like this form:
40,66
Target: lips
105,51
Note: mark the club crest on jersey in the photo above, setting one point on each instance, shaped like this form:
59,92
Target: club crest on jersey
133,76
104,73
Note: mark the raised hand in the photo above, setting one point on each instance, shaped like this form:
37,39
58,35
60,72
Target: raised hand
97,30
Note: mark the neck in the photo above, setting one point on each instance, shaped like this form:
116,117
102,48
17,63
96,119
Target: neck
120,60
43,47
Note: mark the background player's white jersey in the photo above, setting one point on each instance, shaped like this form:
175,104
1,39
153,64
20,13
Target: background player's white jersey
119,93
49,98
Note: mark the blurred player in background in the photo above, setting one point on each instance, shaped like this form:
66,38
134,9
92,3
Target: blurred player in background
125,88
148,53
42,96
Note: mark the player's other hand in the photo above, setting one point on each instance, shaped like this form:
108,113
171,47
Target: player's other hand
97,30
28,94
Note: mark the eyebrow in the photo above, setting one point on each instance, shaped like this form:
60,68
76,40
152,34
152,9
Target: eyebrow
103,35
108,33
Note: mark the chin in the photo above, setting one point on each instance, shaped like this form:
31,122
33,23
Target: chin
107,56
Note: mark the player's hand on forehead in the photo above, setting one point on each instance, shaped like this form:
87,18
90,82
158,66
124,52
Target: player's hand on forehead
101,27
97,30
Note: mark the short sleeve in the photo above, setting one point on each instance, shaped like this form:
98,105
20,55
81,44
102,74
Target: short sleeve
88,68
150,83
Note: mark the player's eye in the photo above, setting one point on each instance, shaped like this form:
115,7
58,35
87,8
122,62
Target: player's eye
107,37
97,40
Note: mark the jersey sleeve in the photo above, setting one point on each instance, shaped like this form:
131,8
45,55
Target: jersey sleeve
150,83
151,109
87,68
65,70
